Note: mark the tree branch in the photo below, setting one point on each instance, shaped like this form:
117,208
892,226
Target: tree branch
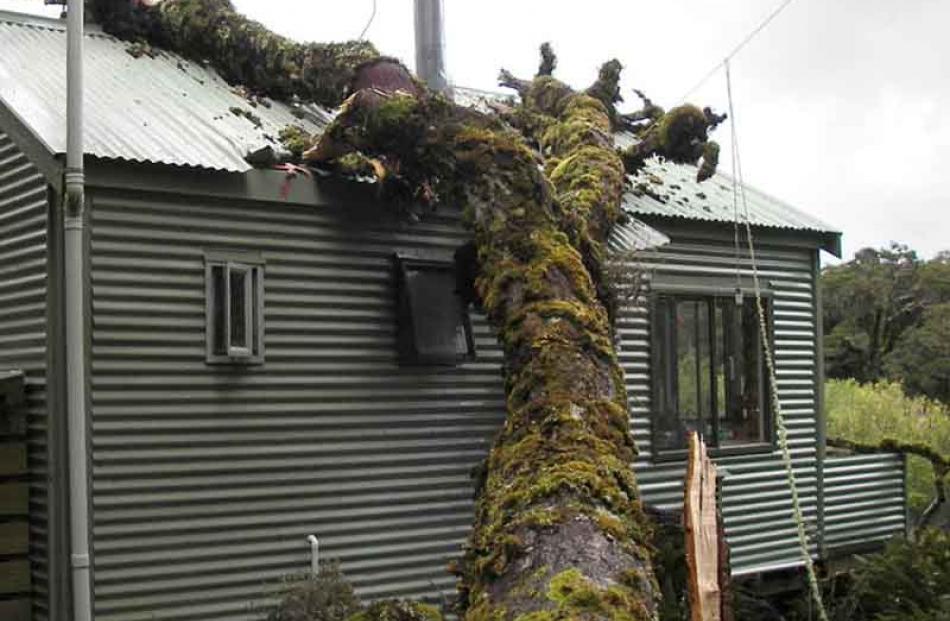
548,60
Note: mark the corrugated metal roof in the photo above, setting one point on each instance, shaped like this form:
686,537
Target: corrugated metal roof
633,235
172,111
165,109
664,188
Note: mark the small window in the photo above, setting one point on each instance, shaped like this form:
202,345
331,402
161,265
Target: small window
709,372
235,308
433,325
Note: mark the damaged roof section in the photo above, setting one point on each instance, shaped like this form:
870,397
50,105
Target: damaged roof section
141,105
670,190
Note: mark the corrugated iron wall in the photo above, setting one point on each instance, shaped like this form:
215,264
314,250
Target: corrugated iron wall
207,480
865,500
23,268
756,497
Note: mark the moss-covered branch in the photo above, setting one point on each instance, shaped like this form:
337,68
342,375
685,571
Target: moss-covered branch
559,531
242,50
680,135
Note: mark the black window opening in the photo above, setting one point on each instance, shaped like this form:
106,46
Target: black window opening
432,322
235,311
709,372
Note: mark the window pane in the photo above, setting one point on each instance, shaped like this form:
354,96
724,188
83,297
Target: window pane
684,388
693,365
217,301
746,413
720,365
239,311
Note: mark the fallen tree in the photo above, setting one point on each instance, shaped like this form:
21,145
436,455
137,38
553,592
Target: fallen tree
559,530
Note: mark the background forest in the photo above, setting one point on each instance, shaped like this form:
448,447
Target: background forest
887,350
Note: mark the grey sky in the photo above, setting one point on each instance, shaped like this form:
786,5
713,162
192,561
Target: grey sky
836,100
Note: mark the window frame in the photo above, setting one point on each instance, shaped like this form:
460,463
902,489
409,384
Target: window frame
251,351
710,294
405,308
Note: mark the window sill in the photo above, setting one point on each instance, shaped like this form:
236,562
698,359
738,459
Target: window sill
757,448
225,361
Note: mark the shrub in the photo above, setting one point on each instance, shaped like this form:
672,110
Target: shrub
324,597
909,581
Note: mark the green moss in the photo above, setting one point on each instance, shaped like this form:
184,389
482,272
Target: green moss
576,597
242,50
247,114
295,139
710,161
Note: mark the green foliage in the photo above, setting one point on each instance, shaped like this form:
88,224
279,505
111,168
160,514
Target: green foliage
872,412
324,597
921,359
909,581
868,302
882,319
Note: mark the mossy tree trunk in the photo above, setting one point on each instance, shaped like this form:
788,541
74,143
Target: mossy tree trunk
559,530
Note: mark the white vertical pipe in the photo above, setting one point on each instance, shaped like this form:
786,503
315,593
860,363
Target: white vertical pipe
314,554
75,323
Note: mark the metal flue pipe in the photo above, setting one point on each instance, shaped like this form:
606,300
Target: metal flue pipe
74,255
430,59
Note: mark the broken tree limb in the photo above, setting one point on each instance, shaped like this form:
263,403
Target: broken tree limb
700,515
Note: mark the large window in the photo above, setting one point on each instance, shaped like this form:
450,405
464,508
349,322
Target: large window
709,371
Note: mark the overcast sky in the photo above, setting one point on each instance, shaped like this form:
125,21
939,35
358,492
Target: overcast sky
836,101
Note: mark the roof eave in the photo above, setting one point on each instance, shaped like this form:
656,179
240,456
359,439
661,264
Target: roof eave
45,159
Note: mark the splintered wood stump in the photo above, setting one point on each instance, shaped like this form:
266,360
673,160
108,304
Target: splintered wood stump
702,534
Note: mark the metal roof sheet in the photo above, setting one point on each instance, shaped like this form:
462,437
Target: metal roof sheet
633,235
164,109
664,188
169,110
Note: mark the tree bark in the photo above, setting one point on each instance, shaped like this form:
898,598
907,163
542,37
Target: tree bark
559,530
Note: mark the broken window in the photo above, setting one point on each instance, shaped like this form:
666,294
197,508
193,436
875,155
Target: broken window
709,371
433,325
235,308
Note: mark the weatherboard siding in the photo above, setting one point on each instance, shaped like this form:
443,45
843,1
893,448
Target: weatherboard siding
756,498
23,292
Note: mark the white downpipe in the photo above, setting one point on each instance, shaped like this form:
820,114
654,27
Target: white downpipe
73,219
314,554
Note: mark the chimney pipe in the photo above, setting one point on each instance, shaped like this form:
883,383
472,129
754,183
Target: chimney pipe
430,63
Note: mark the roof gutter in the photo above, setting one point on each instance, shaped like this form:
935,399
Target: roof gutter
75,260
